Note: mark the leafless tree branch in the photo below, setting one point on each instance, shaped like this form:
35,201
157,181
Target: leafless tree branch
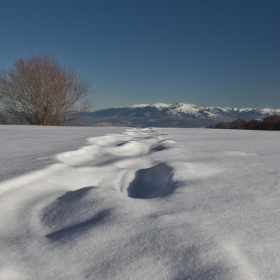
39,91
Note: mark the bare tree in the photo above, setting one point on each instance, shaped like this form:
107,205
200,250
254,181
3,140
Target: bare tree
39,91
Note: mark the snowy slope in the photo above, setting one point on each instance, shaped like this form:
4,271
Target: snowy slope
183,111
143,204
36,146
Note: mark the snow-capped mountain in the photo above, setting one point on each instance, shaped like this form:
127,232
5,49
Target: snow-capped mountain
182,111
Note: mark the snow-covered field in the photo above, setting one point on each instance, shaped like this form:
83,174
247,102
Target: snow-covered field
118,203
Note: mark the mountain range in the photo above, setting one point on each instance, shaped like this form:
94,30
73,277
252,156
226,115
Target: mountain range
172,115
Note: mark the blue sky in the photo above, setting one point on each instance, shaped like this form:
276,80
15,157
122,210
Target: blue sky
210,53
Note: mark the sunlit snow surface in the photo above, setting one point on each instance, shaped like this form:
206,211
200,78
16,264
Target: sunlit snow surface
139,203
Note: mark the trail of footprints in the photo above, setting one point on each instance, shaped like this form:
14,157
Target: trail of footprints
75,212
129,150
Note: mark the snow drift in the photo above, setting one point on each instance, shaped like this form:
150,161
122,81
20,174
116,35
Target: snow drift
140,204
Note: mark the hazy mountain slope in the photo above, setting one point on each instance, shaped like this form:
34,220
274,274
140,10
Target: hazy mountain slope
178,114
182,111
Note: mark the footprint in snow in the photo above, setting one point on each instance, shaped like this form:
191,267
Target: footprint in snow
72,214
152,182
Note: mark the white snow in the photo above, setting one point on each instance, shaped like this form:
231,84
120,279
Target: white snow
139,203
138,106
156,105
161,105
270,111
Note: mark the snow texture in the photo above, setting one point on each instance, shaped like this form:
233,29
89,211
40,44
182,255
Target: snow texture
139,204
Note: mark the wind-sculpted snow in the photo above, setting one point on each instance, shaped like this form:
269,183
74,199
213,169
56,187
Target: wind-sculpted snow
145,204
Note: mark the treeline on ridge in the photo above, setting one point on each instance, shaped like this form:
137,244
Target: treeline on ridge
268,123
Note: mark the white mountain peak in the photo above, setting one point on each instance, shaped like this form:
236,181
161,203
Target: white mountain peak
184,111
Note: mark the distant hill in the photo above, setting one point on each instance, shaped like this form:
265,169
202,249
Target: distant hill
172,115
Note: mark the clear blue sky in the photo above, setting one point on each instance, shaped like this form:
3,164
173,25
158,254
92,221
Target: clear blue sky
210,53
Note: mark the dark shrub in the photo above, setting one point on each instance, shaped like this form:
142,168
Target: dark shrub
271,123
238,124
253,124
221,125
268,123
